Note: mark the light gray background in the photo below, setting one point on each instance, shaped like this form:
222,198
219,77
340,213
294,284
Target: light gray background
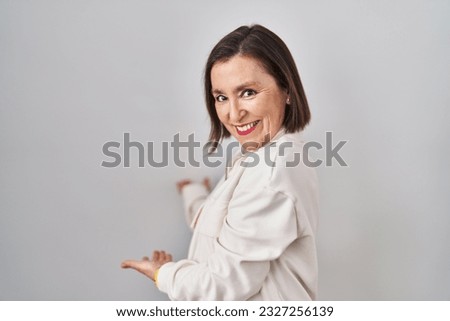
76,74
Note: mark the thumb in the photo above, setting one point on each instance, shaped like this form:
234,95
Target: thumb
207,183
145,267
133,264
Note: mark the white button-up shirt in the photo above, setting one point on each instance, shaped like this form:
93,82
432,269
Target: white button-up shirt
254,234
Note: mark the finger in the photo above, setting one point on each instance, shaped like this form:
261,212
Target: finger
156,256
166,258
163,257
207,183
144,267
182,181
129,264
182,184
145,258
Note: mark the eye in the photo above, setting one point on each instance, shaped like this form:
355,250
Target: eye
221,98
248,93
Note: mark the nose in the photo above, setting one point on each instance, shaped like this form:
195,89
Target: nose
236,111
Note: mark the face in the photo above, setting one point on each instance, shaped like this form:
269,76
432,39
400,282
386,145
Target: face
248,100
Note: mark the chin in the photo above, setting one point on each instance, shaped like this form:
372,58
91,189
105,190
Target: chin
251,144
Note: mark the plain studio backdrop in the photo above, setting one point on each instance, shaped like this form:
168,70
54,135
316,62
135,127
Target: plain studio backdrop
77,74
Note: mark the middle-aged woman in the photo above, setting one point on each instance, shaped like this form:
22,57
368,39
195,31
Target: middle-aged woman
254,234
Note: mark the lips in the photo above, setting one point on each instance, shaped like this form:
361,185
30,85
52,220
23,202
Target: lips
247,128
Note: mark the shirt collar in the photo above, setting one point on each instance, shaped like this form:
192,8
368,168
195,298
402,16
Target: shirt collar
239,155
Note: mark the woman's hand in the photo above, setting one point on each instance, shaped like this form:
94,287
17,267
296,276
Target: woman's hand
146,266
183,183
206,182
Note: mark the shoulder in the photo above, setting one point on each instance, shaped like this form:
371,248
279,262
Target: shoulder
291,174
279,166
282,173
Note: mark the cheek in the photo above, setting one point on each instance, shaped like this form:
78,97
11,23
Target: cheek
264,109
279,116
220,113
273,114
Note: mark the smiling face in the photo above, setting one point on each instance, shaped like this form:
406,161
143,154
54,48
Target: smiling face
248,100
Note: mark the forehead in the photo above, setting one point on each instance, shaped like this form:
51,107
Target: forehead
238,70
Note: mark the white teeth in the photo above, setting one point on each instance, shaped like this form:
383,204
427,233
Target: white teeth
247,127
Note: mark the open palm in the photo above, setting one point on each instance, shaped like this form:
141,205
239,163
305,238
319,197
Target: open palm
146,266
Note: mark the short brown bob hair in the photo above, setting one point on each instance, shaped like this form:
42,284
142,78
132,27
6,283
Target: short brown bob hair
262,44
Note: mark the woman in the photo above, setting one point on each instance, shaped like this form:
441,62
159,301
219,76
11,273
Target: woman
254,234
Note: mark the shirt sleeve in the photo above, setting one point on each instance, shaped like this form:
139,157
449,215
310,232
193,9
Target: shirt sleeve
258,227
194,195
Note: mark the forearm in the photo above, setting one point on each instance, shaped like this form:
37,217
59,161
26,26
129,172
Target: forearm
212,280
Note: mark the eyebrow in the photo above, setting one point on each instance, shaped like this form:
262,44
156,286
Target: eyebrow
238,88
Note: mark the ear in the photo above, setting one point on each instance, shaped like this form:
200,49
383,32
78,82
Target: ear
288,97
